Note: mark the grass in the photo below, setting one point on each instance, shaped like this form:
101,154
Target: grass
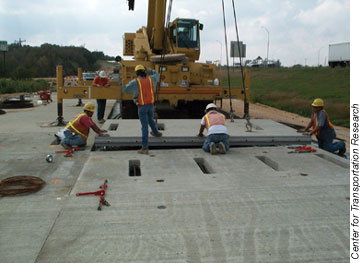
294,89
16,86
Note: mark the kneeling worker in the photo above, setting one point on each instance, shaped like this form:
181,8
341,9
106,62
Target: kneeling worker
77,130
217,139
323,129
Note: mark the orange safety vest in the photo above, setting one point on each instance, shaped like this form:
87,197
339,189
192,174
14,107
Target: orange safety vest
214,118
76,126
315,123
146,91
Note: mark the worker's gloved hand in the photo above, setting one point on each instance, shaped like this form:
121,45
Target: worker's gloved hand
200,135
104,134
103,130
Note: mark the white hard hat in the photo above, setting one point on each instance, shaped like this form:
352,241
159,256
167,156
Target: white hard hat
102,74
210,105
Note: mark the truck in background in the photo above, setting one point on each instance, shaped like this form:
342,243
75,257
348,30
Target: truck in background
339,54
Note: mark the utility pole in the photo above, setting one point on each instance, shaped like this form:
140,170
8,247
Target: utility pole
220,51
267,53
20,41
319,56
4,49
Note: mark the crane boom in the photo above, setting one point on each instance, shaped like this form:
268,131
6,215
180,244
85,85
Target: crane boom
175,48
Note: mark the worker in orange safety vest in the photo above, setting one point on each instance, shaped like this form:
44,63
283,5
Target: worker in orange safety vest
77,130
323,129
143,90
217,139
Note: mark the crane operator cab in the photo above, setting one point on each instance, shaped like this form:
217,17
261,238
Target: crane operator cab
185,37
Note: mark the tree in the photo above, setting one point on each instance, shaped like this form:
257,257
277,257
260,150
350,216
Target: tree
28,62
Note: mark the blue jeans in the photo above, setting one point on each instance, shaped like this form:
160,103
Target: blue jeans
101,104
146,116
73,139
330,146
216,138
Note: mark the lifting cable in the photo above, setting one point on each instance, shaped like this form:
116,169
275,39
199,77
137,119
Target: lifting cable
246,103
163,53
227,64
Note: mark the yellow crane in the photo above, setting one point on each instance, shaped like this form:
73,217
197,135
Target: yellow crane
172,49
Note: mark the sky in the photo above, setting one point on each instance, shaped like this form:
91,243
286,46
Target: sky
300,31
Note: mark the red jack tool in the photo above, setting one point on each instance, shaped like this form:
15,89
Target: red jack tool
68,153
101,192
303,149
45,95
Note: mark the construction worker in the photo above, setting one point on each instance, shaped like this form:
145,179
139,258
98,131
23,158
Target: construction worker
184,39
323,129
143,90
77,130
217,139
101,81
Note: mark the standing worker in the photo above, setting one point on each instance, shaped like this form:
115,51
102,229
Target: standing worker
143,90
77,130
101,81
323,129
217,139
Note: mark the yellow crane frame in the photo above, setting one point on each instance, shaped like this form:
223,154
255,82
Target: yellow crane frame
170,93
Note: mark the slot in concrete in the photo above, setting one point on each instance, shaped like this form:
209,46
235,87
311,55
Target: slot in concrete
204,166
113,126
160,126
271,163
134,168
333,160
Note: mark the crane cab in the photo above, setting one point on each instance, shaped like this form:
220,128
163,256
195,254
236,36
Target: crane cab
184,36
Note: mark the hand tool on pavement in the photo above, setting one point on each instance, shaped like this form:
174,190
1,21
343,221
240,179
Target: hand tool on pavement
68,153
302,149
45,95
101,194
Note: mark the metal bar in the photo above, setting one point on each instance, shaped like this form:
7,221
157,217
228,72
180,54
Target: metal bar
166,142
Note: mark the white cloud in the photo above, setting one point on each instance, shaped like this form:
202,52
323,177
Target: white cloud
298,29
326,12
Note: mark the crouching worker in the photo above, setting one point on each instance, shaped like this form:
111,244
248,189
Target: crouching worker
217,139
77,130
323,129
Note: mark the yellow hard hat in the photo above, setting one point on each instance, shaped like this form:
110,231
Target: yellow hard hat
318,103
89,107
139,67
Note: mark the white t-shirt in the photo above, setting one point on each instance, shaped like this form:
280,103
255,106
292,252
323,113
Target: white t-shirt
214,129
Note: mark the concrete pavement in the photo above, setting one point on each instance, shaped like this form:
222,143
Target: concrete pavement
256,204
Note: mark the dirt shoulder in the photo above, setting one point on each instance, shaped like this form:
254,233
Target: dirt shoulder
260,111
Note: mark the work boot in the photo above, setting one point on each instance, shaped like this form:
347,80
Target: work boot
67,147
213,149
342,151
101,121
156,135
222,148
143,151
79,103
